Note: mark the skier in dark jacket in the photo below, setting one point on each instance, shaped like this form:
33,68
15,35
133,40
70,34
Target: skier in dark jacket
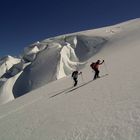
95,67
75,76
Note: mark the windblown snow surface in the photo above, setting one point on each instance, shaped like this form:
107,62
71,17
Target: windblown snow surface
105,109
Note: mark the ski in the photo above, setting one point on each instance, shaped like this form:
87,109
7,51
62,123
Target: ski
76,87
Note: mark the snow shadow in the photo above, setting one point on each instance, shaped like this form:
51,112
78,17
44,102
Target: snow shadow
58,58
84,84
87,46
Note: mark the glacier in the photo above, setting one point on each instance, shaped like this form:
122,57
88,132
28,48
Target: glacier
107,108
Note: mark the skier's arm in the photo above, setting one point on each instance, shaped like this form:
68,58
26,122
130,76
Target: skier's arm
101,62
79,73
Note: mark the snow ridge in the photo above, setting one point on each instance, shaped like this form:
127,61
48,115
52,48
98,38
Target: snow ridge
44,62
107,108
60,57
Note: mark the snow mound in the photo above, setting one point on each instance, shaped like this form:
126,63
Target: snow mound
60,57
105,109
68,61
55,58
6,84
30,53
6,87
6,63
88,46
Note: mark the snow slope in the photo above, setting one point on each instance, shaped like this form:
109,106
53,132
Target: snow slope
6,63
60,56
49,60
107,108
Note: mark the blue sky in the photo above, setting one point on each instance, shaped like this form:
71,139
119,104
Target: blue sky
22,22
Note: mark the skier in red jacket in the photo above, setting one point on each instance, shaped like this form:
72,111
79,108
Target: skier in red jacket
95,67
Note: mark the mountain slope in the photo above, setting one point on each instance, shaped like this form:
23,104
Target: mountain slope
107,108
47,61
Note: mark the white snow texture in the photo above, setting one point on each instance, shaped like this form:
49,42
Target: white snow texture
105,109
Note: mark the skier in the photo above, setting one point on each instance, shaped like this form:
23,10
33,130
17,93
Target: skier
95,67
75,76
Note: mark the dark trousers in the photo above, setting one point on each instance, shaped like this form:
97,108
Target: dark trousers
96,73
75,81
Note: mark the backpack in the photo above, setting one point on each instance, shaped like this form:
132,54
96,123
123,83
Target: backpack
92,65
74,74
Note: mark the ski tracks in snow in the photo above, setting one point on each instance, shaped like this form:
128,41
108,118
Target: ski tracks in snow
53,94
33,101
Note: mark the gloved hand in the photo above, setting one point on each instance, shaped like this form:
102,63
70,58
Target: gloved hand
80,72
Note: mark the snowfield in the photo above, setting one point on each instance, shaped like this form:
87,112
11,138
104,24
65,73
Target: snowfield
48,108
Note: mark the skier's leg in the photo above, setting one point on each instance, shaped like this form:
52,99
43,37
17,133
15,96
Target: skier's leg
75,80
98,74
95,75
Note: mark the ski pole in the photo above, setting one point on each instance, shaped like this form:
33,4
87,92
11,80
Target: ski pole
82,76
106,68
